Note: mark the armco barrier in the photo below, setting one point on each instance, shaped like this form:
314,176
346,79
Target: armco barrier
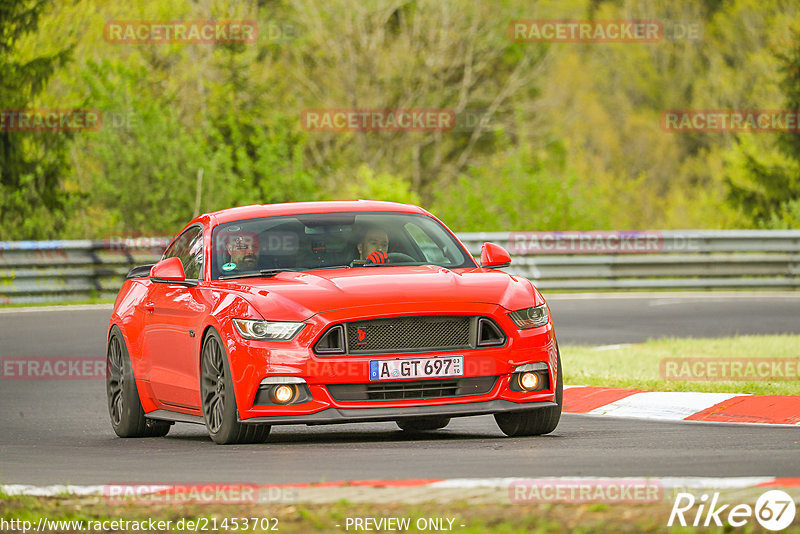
63,271
588,261
43,271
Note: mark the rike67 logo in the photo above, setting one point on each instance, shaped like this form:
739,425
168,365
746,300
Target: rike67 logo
774,510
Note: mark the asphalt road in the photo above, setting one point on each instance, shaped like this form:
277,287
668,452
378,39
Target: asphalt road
58,431
598,320
579,319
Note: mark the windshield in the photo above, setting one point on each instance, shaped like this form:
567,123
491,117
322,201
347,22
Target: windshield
329,240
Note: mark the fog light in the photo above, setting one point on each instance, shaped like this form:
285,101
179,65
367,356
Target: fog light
283,394
529,381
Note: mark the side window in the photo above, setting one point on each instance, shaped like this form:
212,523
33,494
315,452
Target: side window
189,248
193,260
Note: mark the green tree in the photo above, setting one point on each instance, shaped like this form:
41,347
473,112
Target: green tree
425,54
33,203
765,185
521,190
139,171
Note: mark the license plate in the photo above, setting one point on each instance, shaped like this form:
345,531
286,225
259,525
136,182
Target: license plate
416,368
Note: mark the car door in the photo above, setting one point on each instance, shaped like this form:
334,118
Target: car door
173,326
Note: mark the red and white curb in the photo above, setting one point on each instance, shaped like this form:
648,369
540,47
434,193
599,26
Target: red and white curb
683,406
412,491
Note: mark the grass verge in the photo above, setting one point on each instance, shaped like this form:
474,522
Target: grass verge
638,366
332,517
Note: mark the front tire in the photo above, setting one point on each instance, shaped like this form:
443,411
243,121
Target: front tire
218,398
124,405
422,424
534,422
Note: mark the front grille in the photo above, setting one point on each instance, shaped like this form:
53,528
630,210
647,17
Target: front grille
409,333
413,333
412,389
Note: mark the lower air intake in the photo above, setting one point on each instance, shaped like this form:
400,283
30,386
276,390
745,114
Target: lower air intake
412,389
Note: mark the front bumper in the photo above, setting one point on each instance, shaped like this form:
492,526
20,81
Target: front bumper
253,361
360,415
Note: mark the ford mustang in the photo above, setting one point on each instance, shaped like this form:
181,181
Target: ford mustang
328,312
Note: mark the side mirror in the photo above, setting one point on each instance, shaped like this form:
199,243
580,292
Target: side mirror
170,271
494,256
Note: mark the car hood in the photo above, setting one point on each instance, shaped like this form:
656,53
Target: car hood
297,296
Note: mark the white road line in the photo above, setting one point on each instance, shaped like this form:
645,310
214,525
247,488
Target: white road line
612,347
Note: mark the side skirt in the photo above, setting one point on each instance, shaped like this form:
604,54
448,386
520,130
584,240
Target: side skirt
166,415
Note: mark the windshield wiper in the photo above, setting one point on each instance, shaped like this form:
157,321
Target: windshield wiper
328,267
263,273
398,264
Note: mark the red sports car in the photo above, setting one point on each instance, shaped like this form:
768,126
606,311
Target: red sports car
328,312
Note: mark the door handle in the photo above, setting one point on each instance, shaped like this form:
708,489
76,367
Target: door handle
150,307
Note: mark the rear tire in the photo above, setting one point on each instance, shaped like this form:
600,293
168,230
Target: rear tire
534,422
124,406
219,400
423,424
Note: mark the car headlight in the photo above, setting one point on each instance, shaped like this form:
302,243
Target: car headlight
267,330
530,317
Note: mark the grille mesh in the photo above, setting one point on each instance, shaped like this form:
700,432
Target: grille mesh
409,333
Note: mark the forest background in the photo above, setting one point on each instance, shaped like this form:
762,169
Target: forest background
549,136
